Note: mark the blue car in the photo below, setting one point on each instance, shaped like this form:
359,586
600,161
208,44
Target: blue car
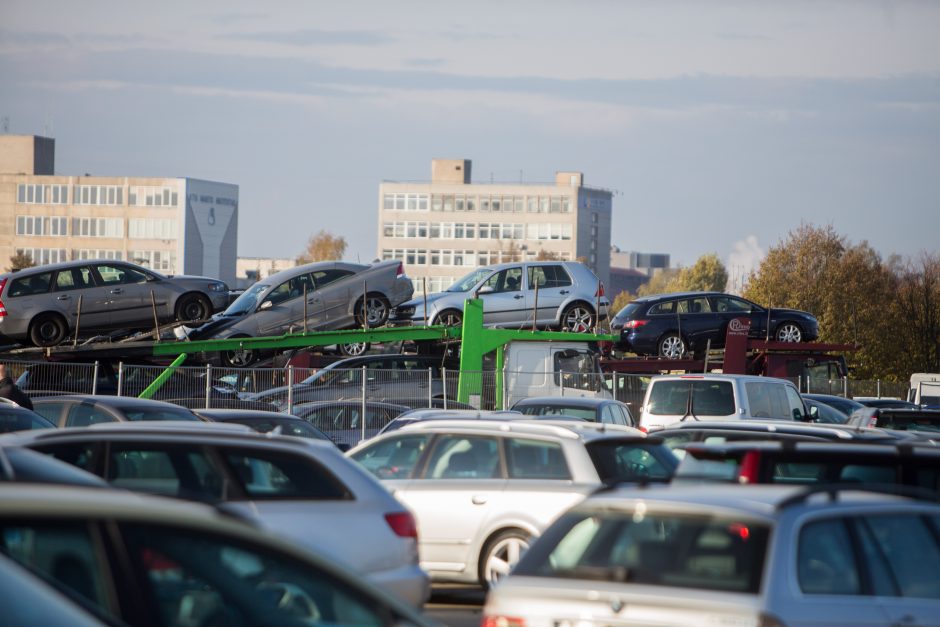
672,325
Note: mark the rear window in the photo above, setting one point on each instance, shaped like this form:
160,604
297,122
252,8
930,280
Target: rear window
673,550
627,312
29,285
586,413
632,461
708,398
913,422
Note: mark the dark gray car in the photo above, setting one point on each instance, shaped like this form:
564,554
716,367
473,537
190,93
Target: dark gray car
45,304
603,410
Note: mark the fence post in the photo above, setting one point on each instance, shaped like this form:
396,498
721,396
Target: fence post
845,387
878,387
290,388
208,385
430,386
444,379
120,381
561,380
94,378
362,415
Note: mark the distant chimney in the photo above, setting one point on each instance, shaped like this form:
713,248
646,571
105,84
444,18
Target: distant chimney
454,171
569,179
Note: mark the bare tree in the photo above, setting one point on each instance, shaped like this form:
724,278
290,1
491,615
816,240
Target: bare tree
20,261
322,246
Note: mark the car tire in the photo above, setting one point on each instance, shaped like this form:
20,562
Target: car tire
241,358
500,554
788,332
377,310
191,307
449,318
577,318
672,346
48,329
353,349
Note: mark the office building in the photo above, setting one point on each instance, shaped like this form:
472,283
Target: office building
444,228
250,270
172,225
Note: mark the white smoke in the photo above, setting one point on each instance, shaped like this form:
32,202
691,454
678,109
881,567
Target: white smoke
745,257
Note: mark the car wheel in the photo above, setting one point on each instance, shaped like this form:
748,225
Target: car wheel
240,358
377,308
193,307
353,349
672,346
577,318
449,318
47,330
789,332
500,554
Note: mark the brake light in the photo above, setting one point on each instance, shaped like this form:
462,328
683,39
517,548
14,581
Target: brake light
634,324
403,524
750,468
502,621
3,284
401,269
600,290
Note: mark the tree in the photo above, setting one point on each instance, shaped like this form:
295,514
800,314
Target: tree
660,283
918,306
620,301
547,255
322,246
20,261
708,274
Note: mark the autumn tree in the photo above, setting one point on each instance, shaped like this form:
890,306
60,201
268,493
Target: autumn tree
708,274
660,283
547,255
918,307
20,261
322,246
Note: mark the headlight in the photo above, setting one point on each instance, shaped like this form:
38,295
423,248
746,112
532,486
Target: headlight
218,287
404,312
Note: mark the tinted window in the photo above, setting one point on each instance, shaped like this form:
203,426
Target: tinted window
559,409
325,277
704,552
138,413
85,414
631,461
271,475
825,560
534,459
12,419
80,454
730,304
28,285
709,398
668,307
463,457
548,277
911,551
394,458
173,470
767,400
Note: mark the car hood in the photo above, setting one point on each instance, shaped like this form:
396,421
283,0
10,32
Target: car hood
791,312
418,303
214,328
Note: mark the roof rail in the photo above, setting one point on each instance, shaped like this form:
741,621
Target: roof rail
833,490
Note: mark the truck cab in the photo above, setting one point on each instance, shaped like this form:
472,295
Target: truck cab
925,389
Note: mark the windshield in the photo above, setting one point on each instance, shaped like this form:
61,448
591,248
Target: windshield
469,281
617,460
247,301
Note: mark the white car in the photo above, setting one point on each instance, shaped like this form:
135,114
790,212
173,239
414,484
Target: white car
302,489
759,556
483,489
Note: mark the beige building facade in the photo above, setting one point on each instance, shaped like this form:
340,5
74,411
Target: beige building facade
172,225
444,228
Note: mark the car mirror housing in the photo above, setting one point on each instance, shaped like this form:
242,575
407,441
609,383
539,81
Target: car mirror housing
485,289
265,305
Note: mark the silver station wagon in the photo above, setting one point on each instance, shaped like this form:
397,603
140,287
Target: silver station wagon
41,305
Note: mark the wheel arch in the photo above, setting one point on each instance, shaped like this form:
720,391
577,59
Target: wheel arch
573,303
69,327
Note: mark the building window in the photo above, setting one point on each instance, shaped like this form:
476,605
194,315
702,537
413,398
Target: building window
146,196
92,253
97,227
159,260
42,256
42,194
151,228
97,195
42,225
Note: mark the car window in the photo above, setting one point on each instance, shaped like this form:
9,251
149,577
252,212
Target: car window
138,413
699,305
608,416
730,304
576,369
393,458
85,414
628,418
325,277
508,280
14,419
292,288
631,461
558,409
202,579
795,407
668,307
275,475
911,550
825,559
709,398
548,277
80,454
117,274
64,552
172,470
535,459
463,457
73,279
767,400
29,285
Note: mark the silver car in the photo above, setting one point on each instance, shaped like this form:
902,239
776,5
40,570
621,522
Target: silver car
321,296
43,305
731,555
298,488
569,297
483,489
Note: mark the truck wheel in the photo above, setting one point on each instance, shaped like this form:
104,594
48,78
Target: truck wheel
789,332
672,346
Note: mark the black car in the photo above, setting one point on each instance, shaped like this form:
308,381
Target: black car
603,410
845,405
267,422
672,325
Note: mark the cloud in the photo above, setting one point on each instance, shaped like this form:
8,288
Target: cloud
425,62
745,258
312,37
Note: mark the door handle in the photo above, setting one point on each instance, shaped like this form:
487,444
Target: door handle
63,297
517,296
564,292
117,290
478,499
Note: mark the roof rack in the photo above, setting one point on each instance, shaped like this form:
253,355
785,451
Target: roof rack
833,490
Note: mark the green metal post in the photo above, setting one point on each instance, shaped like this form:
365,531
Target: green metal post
500,376
471,351
161,379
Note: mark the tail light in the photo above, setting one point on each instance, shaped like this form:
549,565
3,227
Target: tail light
403,524
600,291
634,324
3,284
502,621
401,270
750,468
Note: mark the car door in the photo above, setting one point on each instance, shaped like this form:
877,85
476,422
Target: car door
124,289
554,288
72,285
504,300
335,290
281,308
698,323
457,493
726,308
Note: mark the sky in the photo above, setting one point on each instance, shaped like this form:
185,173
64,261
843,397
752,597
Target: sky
720,126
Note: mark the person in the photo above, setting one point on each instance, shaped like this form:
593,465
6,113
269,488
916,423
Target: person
9,389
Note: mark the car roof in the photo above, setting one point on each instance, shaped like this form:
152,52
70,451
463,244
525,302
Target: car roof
671,295
346,403
52,267
569,401
843,432
715,376
900,449
571,430
287,273
827,397
233,414
107,400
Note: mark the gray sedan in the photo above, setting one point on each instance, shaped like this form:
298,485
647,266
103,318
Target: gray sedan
45,304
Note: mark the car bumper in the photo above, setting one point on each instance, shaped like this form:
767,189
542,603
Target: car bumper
409,583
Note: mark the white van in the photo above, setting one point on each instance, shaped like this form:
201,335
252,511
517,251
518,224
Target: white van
676,398
535,368
925,389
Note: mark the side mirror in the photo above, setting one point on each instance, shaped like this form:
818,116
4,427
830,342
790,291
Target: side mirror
343,446
265,305
804,417
486,289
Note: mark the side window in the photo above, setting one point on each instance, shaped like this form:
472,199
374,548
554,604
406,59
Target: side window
608,417
669,307
464,457
64,552
132,275
911,551
724,304
508,280
111,275
394,458
74,279
270,475
325,277
79,454
181,471
203,579
548,277
767,400
699,305
628,417
50,411
85,414
534,459
576,369
825,560
27,286
794,403
280,293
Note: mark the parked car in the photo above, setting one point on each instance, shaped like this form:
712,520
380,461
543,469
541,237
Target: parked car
811,462
319,296
16,418
569,296
921,420
895,403
676,398
823,412
845,405
268,422
25,466
42,303
414,416
82,410
146,561
343,419
602,410
481,490
281,483
730,555
672,325
388,378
